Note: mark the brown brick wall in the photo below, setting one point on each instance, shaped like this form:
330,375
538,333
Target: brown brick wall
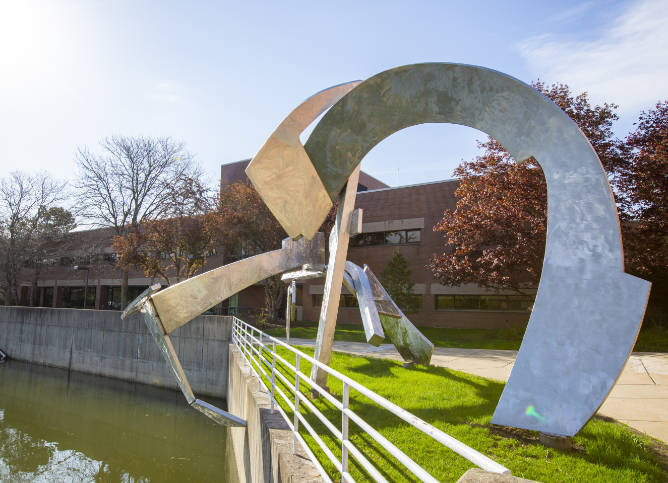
381,205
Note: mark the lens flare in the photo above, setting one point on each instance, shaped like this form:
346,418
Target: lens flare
531,411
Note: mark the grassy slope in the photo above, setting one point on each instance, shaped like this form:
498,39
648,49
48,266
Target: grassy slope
462,406
651,339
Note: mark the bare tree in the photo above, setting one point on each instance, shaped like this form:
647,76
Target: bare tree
52,227
128,183
25,204
177,246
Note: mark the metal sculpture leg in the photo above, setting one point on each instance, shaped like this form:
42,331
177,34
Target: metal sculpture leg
290,302
409,341
358,283
144,305
338,251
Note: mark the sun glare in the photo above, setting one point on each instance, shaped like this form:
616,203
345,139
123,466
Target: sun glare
33,43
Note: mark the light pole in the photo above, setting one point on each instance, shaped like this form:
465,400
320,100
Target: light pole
87,269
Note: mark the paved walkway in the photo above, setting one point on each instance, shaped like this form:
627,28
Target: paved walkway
639,399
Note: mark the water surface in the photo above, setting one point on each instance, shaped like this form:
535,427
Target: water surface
57,425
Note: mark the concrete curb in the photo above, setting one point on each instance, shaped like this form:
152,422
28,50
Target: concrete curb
263,450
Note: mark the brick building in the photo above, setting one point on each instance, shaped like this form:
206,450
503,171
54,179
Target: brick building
402,218
395,218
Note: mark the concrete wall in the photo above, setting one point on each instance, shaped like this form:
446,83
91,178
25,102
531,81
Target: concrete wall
263,450
99,342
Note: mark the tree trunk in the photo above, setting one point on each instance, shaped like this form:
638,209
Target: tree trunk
124,288
274,291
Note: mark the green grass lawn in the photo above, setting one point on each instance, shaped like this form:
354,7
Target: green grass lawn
651,339
462,406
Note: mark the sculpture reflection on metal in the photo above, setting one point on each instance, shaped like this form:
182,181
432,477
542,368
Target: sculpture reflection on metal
587,312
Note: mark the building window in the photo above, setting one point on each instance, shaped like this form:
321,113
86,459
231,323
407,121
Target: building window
114,296
417,300
398,237
110,257
47,300
347,300
499,303
73,297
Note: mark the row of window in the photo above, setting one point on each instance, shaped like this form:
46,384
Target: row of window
87,259
398,237
484,302
111,258
499,303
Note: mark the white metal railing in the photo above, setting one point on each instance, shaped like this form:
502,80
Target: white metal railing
254,344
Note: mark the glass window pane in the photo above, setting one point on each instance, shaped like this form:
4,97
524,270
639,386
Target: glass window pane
413,236
493,302
444,302
348,300
376,238
395,237
467,302
520,302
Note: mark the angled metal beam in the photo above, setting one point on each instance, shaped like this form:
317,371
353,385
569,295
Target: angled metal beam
144,305
358,284
338,251
180,303
409,341
282,172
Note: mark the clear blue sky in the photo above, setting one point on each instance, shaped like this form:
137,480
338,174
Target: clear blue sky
221,75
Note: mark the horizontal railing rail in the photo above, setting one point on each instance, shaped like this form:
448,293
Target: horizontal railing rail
260,350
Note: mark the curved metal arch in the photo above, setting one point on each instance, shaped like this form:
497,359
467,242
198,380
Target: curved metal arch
587,312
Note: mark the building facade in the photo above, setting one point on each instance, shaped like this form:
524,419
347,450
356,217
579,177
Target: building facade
402,218
394,218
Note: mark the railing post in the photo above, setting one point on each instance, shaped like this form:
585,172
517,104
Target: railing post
259,363
344,430
273,374
296,419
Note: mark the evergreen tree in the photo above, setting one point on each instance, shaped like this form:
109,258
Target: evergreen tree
396,278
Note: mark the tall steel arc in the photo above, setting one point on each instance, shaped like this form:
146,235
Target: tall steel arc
587,312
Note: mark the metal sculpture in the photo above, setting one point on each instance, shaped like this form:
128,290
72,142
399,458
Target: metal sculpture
587,312
167,310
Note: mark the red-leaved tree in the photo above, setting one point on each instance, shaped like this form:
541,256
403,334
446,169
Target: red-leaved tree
643,185
247,227
496,236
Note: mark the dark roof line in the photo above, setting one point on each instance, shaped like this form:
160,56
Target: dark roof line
453,180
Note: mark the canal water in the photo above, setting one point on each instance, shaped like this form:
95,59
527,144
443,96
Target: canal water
57,425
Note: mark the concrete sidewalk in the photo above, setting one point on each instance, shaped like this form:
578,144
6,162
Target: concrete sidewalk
639,399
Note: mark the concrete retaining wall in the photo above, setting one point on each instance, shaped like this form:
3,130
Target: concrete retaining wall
263,450
99,342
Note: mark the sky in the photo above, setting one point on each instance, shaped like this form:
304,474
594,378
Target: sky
220,76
